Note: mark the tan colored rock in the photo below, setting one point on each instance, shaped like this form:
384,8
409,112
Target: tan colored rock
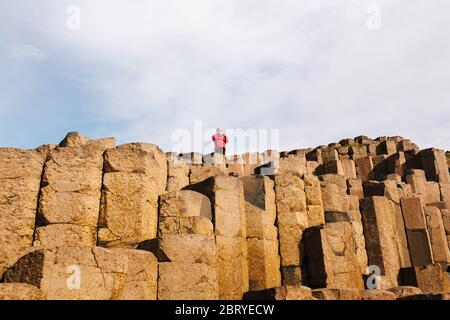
59,235
288,292
185,203
129,210
73,139
337,294
358,233
187,281
377,294
144,158
135,175
416,231
228,209
380,233
355,188
432,278
263,263
185,225
262,241
292,164
187,248
358,152
445,194
438,239
364,167
434,162
405,291
334,167
101,273
202,172
233,267
292,219
20,177
349,168
387,147
290,193
71,189
334,200
20,291
142,275
330,257
311,167
177,174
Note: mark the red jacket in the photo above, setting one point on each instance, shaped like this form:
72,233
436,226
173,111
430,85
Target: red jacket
220,140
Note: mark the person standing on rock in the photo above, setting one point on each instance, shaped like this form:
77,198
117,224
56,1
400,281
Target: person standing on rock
220,142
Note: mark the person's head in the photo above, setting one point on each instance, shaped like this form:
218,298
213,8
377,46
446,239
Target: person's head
218,131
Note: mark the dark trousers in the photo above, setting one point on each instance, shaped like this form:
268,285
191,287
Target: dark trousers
220,150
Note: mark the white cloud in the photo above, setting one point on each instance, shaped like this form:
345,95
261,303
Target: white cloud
309,68
25,52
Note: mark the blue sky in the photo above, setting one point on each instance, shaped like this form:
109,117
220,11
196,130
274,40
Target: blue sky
140,70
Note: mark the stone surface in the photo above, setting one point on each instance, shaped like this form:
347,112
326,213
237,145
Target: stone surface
262,241
288,292
432,278
101,272
228,210
330,257
337,294
20,177
416,231
142,275
186,281
135,175
20,291
438,239
59,235
205,226
379,233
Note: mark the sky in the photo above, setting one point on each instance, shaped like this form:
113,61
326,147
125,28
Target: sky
311,72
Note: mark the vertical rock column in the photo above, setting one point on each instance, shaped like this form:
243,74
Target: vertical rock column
135,175
262,240
380,234
177,173
70,195
20,178
292,219
438,239
389,190
416,232
330,257
227,198
434,163
186,248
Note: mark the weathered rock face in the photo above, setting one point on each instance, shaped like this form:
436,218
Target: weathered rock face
73,273
20,291
262,242
416,231
330,257
70,192
256,226
292,219
20,178
186,248
379,233
228,210
135,175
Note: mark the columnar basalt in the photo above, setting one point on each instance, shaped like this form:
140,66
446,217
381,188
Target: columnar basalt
134,223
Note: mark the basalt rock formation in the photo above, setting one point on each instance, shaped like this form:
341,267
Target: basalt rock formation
362,219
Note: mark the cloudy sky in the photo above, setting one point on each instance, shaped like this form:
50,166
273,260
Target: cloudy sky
145,70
